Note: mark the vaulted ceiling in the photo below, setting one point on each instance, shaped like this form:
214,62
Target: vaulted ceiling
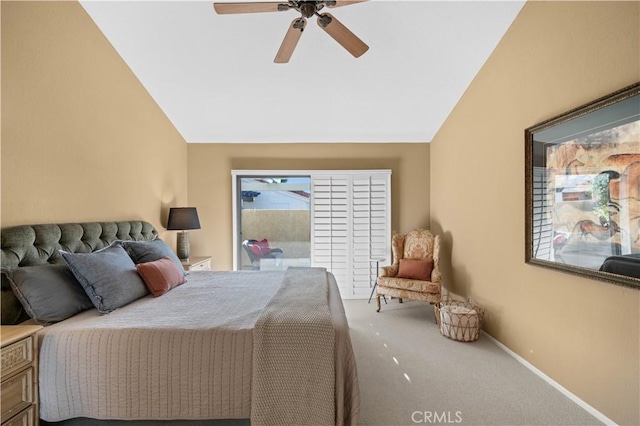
214,77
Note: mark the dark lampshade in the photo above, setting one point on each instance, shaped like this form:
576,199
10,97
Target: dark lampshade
181,218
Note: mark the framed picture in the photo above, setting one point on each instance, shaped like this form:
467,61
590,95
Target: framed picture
582,190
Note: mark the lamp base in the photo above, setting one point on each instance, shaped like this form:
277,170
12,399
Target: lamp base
182,245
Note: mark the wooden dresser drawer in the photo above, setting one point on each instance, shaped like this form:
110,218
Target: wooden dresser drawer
19,388
17,394
17,356
24,418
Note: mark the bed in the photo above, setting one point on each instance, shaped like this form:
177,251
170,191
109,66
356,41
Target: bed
270,346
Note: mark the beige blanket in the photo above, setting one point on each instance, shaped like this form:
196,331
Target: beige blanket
293,356
185,355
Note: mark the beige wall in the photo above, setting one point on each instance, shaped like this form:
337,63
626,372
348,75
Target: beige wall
210,168
82,140
583,333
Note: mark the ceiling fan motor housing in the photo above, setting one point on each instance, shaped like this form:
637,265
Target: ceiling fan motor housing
307,8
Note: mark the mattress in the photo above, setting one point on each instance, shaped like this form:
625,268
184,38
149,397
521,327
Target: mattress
185,355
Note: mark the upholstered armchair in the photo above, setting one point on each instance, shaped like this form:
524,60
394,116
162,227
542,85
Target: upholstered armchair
415,272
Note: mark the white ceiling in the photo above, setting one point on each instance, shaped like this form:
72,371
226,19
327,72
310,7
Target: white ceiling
214,76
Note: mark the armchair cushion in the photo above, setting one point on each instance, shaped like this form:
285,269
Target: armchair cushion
415,269
417,286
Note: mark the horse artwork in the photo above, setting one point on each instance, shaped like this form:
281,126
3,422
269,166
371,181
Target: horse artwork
599,221
601,232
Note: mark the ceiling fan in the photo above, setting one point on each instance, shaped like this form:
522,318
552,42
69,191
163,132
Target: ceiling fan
307,9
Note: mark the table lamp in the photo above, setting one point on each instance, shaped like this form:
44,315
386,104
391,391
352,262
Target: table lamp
182,219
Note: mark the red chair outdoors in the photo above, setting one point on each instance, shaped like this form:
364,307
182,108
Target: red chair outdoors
257,250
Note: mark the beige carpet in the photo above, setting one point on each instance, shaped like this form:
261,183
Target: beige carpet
410,374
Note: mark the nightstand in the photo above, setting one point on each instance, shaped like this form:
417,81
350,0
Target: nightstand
196,263
19,373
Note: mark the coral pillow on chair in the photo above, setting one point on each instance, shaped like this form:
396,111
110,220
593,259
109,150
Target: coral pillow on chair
161,275
264,247
415,269
260,248
255,249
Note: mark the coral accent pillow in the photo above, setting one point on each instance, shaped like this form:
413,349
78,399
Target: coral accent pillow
415,269
260,248
161,275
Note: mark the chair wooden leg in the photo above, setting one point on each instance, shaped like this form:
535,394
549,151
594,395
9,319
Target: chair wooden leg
378,302
400,299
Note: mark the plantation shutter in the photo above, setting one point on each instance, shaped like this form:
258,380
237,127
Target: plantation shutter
351,224
329,230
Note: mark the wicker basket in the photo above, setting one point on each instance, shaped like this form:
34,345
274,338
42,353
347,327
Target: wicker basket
460,321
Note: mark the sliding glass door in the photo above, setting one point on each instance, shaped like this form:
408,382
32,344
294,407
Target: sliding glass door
336,219
272,221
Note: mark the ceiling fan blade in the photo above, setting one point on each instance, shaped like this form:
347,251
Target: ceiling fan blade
290,41
342,35
340,3
229,8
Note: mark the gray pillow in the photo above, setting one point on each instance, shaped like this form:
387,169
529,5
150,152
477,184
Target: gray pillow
149,251
109,277
48,293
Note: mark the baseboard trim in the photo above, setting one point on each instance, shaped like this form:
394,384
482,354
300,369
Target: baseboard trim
595,413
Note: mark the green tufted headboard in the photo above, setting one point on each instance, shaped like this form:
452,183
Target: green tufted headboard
30,245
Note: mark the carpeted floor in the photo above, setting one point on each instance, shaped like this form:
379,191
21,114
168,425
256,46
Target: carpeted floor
410,374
